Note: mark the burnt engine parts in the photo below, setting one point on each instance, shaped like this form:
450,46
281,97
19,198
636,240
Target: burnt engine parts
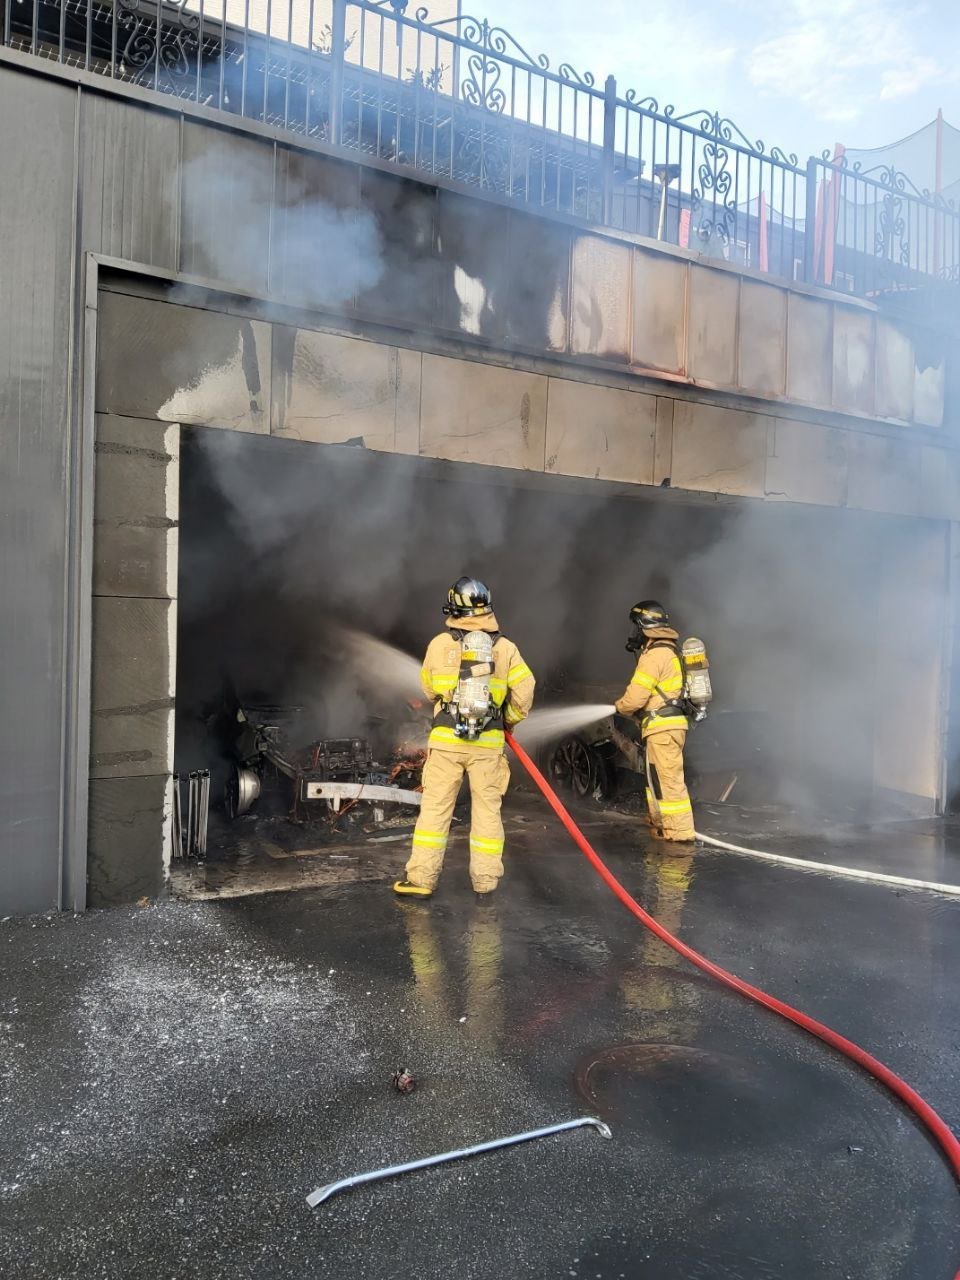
328,777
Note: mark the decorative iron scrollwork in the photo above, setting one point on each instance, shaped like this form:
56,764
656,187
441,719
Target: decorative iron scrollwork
710,124
643,104
891,240
711,197
498,42
480,86
170,46
884,175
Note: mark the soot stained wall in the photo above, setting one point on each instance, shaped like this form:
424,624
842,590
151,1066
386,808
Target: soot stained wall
280,540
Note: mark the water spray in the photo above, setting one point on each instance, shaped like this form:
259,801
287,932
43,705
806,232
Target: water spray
929,1118
558,722
394,669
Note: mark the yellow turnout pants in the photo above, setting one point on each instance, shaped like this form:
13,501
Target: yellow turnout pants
443,772
668,801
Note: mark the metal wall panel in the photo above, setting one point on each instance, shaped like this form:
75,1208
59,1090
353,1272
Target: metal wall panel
226,197
712,340
895,371
182,364
663,442
405,289
36,222
472,412
885,474
930,395
659,304
335,390
601,432
129,162
939,483
718,450
475,284
539,274
854,351
809,349
763,338
806,463
322,247
600,301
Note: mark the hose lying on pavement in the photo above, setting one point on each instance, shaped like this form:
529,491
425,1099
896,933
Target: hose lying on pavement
829,868
921,1109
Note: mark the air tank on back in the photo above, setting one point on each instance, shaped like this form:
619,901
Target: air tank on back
697,688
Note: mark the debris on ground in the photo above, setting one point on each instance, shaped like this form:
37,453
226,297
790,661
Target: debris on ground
404,1081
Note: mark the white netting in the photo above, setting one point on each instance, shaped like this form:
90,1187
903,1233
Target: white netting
916,157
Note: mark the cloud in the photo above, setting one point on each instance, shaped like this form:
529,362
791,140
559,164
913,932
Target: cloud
670,49
837,57
905,81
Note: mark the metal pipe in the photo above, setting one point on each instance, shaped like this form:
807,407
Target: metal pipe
377,1175
202,811
191,793
177,819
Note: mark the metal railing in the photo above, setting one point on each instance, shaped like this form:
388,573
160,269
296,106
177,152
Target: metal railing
875,234
457,98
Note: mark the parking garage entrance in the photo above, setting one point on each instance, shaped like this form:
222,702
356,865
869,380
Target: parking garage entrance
311,578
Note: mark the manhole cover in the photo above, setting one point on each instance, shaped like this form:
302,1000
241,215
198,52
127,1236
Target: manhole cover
617,1081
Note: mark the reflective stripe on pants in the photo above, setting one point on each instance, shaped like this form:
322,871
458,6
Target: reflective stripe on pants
667,797
488,774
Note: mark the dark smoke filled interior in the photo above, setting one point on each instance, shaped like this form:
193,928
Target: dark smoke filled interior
283,541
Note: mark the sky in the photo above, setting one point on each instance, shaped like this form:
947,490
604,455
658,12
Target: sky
798,74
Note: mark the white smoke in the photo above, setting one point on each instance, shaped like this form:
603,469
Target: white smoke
554,723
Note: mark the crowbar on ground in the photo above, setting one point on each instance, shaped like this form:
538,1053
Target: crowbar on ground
376,1175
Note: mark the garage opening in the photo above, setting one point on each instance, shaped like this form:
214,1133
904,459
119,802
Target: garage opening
291,553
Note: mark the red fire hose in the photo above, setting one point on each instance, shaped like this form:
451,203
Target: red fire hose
921,1109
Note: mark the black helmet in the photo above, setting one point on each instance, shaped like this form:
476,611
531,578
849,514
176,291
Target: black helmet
649,614
468,598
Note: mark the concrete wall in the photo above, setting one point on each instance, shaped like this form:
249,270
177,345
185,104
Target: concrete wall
224,370
746,387
134,657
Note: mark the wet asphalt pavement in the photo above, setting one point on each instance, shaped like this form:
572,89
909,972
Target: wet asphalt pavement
175,1079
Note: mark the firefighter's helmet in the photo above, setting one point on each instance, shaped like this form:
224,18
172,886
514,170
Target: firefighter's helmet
649,614
468,598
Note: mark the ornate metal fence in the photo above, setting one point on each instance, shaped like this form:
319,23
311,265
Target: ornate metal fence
461,99
876,234
454,97
696,180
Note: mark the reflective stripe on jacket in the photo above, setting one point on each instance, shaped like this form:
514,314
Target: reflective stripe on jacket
657,680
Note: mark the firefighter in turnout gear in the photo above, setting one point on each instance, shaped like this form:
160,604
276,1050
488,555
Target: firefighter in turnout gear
654,694
479,684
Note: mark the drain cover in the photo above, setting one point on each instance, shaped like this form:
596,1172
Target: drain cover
608,1078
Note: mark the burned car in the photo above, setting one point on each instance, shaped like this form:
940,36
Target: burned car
279,770
727,755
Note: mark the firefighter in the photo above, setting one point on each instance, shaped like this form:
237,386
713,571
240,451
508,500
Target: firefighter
654,693
479,683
